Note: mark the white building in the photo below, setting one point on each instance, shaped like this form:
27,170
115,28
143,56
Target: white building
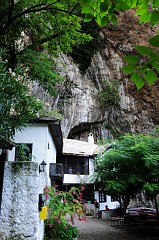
79,156
22,181
22,186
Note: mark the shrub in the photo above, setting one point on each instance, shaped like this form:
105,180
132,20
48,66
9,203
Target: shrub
63,208
109,95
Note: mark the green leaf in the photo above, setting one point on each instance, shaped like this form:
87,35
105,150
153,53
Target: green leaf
134,3
143,8
86,1
103,14
110,14
156,4
129,2
134,179
122,6
128,69
104,21
130,59
103,7
98,20
139,82
143,50
144,18
88,17
114,20
150,76
114,185
154,41
151,187
154,17
134,76
87,9
151,161
155,58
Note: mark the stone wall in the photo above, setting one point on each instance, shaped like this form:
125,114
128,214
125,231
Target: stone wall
19,213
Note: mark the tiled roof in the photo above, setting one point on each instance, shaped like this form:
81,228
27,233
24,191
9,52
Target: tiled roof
80,148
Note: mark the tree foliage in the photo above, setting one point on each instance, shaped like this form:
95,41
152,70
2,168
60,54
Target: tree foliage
32,31
16,107
130,166
32,34
144,66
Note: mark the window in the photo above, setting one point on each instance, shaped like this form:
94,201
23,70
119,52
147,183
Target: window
114,198
71,163
79,165
82,166
102,196
23,152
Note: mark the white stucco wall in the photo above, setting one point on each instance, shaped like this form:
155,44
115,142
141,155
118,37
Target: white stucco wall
80,179
23,212
40,137
91,166
111,205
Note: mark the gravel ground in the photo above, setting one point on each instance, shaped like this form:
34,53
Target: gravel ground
98,229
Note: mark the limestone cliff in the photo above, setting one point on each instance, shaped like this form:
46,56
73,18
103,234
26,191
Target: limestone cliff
78,100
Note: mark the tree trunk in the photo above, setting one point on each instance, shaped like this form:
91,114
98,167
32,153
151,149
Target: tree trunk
156,204
126,201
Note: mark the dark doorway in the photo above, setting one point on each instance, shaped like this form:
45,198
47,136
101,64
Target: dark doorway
2,162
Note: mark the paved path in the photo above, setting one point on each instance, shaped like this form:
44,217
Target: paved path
99,229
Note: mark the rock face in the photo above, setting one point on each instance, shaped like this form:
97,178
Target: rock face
78,101
81,108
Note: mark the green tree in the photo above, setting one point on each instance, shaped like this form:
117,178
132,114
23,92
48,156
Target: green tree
144,67
30,29
32,34
17,107
130,166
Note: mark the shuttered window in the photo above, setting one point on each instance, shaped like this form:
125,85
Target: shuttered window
102,196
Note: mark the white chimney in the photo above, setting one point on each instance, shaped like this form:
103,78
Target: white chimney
90,138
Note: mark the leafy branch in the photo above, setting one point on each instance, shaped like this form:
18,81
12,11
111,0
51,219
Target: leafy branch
144,66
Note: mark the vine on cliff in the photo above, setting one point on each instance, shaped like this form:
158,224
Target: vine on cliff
109,95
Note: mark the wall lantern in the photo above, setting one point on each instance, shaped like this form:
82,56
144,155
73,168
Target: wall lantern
42,166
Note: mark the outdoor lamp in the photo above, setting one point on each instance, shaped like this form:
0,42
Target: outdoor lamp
42,166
